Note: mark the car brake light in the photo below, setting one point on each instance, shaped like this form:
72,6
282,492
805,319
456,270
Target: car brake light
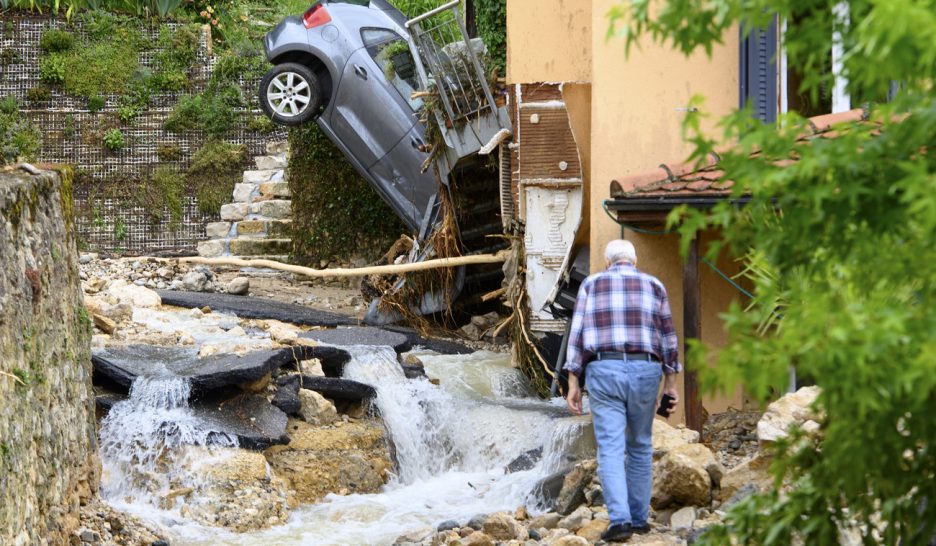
317,15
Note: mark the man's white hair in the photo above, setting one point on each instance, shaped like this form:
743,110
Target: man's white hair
620,250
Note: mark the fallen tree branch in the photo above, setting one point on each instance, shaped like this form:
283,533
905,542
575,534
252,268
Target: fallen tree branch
394,269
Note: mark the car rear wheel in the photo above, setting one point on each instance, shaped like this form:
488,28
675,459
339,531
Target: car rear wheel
289,94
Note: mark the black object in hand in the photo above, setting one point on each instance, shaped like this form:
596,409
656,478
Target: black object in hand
665,404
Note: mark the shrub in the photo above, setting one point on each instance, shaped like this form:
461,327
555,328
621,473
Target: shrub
96,103
168,152
38,94
56,41
491,18
214,170
18,137
8,57
114,139
9,105
164,190
52,68
334,209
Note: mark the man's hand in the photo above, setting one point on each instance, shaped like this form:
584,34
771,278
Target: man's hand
574,397
669,387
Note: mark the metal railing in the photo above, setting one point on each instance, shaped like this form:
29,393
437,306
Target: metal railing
447,61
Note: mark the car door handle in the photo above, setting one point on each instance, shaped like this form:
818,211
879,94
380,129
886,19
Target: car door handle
360,71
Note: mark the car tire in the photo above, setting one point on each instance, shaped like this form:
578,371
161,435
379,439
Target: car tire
290,94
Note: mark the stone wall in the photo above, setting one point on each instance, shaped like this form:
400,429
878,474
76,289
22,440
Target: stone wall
48,459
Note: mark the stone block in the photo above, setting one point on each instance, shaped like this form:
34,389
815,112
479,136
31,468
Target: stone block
259,177
234,211
276,209
244,192
251,228
260,247
277,148
210,249
274,189
270,162
217,230
279,229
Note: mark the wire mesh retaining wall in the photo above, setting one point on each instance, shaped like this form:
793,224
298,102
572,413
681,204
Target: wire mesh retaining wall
72,134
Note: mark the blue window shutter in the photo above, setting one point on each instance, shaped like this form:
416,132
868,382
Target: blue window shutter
759,72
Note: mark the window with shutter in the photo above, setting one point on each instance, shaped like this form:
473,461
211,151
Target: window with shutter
759,72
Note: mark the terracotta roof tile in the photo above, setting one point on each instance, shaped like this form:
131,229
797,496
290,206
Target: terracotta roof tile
684,179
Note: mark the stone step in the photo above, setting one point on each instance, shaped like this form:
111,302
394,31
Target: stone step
267,162
275,189
244,193
259,247
218,230
274,229
213,248
277,148
276,209
263,175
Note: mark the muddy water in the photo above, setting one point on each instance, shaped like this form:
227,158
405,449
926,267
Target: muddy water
452,444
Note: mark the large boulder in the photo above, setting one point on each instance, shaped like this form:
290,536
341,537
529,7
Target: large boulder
343,458
572,494
750,476
133,295
504,527
667,437
316,409
794,409
685,476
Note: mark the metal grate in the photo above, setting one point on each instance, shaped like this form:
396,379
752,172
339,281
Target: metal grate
71,134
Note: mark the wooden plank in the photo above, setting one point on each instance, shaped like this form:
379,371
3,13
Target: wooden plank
692,329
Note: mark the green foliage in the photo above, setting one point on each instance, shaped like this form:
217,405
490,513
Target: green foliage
214,170
38,94
491,20
114,139
8,57
845,239
52,68
56,41
178,51
164,190
71,127
168,152
19,138
96,103
214,110
260,124
335,211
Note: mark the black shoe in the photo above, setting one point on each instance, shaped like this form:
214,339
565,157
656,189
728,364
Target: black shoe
618,532
640,529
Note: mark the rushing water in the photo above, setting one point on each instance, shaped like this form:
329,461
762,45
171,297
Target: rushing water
452,443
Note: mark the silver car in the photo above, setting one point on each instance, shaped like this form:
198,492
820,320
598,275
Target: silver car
359,69
347,64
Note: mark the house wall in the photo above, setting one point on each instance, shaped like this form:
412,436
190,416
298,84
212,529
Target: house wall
630,106
549,41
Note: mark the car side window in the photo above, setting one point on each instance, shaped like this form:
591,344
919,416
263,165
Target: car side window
392,54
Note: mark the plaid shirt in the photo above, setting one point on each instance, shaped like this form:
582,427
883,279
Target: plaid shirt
622,310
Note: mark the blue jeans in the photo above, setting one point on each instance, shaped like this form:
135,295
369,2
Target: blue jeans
622,396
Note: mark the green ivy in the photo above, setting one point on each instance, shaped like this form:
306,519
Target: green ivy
215,168
336,213
114,139
19,138
491,19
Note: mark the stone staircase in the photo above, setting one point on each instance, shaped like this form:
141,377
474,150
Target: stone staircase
257,223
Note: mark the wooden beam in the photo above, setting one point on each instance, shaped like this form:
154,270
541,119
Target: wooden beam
692,329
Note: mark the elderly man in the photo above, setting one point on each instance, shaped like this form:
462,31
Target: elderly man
622,330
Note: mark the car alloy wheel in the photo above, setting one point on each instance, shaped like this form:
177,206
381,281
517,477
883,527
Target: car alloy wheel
289,94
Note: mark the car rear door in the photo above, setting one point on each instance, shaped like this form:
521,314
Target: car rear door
369,115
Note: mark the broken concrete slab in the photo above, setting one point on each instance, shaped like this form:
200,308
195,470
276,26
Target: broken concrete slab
121,365
256,308
441,346
360,335
256,423
330,387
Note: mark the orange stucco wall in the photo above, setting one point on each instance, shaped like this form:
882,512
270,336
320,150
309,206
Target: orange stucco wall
549,41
